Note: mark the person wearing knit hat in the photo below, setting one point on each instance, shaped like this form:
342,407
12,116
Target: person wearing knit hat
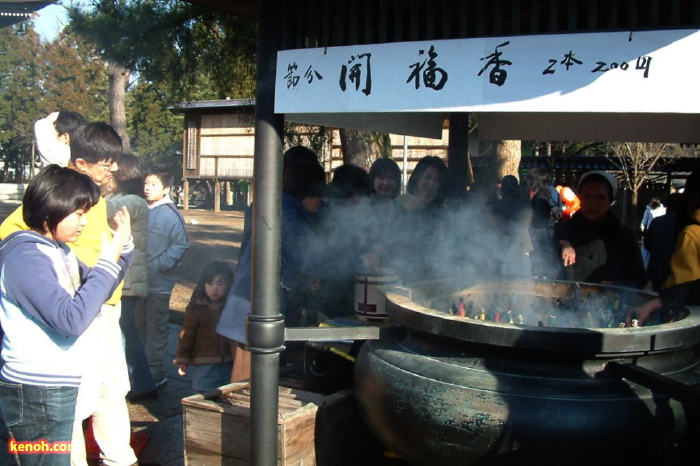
304,179
595,246
599,175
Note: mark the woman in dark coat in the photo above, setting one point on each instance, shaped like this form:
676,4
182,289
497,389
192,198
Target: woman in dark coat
595,246
544,215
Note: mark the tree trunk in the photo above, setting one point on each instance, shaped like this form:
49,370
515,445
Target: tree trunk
634,196
507,161
356,146
118,80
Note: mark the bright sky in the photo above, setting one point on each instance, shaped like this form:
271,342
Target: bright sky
50,21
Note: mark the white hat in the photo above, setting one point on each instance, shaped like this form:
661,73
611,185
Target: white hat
610,179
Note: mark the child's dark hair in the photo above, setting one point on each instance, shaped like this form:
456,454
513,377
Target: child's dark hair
303,179
510,187
55,193
67,122
385,166
95,142
297,153
539,180
129,176
421,167
348,181
163,173
211,270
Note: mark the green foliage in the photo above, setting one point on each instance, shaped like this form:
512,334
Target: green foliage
121,31
174,51
20,81
206,45
173,42
75,78
38,78
156,132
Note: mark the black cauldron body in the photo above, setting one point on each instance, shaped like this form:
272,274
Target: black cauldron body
459,391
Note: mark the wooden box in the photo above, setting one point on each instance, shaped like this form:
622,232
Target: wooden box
312,429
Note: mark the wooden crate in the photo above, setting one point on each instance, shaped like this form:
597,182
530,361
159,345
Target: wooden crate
312,429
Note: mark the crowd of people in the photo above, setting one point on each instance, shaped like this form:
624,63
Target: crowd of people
83,325
88,263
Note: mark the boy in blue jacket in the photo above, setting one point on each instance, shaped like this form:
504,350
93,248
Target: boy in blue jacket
166,245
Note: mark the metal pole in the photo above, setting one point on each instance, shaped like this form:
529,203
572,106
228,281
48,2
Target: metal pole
265,323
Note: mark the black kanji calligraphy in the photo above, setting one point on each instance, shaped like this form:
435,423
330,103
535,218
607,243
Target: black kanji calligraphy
643,63
311,73
497,75
359,72
291,76
570,61
433,76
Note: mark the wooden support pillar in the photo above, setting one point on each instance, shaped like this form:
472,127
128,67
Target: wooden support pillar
186,194
229,193
217,196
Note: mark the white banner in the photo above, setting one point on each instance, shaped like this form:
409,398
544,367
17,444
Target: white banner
643,72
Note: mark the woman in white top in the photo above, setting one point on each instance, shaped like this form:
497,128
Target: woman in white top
654,209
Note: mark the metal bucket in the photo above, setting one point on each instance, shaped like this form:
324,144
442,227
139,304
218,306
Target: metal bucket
370,293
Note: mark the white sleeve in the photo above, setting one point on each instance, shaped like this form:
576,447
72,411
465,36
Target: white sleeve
50,148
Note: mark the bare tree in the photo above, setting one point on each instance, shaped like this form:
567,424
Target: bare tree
635,160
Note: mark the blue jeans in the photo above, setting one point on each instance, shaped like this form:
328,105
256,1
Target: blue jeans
207,377
139,372
33,413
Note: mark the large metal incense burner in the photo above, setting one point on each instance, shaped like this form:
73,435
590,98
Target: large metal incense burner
562,384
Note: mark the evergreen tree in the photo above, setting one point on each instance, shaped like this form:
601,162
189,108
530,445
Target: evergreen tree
20,81
170,42
74,78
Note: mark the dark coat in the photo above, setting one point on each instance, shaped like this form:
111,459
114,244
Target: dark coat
298,268
544,259
604,252
687,293
660,241
199,342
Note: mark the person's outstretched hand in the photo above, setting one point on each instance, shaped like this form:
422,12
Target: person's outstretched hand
643,311
568,255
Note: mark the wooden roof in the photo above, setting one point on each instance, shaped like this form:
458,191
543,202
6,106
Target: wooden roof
244,8
321,23
216,106
16,11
